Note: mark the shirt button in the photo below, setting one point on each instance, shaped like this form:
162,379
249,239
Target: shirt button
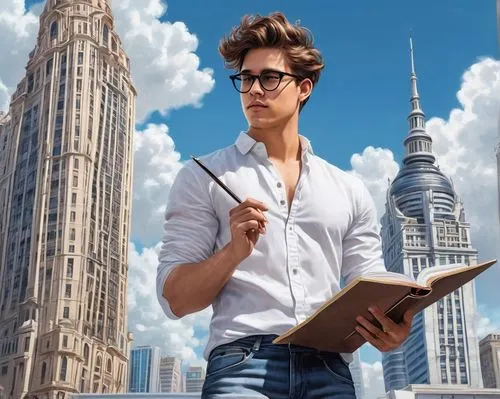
282,202
295,271
279,185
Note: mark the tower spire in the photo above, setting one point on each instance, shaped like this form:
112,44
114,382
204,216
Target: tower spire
418,143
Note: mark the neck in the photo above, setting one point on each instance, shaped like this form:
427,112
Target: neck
282,141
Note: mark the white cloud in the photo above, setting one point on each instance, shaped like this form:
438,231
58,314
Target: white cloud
375,166
146,319
165,68
373,378
156,164
18,30
465,146
487,321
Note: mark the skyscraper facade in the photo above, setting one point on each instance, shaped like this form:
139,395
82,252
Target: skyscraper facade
171,374
145,369
66,151
357,375
195,377
424,225
489,348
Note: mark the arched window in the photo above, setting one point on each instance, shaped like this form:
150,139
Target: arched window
44,372
53,30
108,366
64,368
86,354
105,35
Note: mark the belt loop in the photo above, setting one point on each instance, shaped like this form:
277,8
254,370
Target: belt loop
256,345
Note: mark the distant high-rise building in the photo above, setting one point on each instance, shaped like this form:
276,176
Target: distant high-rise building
424,225
195,377
489,348
357,375
170,374
66,157
144,369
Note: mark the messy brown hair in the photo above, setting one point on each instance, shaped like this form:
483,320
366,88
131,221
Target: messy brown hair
274,31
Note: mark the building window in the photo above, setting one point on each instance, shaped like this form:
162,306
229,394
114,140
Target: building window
53,30
67,293
42,375
27,344
73,198
109,366
86,354
66,312
64,368
69,268
72,217
71,249
72,234
105,35
65,341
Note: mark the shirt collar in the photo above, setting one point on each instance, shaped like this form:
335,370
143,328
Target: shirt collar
245,144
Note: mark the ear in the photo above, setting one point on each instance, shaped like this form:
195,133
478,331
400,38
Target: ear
305,89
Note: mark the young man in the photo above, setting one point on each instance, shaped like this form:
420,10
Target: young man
267,264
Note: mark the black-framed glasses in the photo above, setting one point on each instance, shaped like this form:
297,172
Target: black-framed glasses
269,80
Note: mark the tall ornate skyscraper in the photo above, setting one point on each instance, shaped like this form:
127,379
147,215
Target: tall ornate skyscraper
424,225
66,153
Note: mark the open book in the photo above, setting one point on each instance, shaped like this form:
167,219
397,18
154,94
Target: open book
332,326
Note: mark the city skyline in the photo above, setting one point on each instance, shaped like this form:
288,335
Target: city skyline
155,139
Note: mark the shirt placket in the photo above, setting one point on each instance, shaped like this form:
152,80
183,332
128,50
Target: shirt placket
291,243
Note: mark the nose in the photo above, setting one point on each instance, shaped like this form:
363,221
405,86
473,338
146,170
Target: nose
256,89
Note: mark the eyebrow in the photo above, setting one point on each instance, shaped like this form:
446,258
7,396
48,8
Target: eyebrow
264,70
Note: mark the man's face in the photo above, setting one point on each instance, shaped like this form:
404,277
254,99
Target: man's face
262,108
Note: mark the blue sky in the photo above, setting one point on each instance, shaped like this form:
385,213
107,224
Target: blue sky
362,98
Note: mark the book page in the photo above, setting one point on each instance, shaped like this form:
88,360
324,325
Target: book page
429,273
388,276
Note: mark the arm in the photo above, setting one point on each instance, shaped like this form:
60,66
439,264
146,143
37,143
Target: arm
362,253
190,275
362,246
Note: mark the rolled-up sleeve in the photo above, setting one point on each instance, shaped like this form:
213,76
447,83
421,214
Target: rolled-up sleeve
362,245
190,228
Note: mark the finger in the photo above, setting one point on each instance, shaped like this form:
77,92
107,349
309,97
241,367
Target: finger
387,324
375,331
243,228
408,317
249,202
376,342
248,214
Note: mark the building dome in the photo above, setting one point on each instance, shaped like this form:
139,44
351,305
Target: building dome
416,178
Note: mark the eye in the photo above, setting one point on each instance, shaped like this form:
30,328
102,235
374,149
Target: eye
270,77
245,78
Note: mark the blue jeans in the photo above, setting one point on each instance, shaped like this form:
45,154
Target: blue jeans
254,367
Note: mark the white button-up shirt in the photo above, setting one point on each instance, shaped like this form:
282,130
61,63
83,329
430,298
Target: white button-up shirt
331,232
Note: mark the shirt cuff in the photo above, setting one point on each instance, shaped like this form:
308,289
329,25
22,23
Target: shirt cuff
161,277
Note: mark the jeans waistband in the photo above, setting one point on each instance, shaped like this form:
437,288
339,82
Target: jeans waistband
263,341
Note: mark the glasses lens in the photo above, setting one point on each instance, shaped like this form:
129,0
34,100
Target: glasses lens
270,80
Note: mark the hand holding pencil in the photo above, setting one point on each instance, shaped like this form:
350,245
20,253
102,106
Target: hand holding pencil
247,220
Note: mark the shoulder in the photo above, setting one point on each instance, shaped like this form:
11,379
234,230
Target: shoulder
216,161
344,180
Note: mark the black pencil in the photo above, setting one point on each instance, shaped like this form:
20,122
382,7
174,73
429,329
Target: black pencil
217,180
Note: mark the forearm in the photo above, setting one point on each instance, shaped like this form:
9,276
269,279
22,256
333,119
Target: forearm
192,287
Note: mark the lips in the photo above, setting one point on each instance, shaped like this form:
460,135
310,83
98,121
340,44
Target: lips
257,105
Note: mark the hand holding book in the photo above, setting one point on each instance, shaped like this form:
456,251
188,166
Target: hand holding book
393,293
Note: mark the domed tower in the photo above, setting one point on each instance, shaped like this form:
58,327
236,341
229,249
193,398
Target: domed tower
424,225
65,203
